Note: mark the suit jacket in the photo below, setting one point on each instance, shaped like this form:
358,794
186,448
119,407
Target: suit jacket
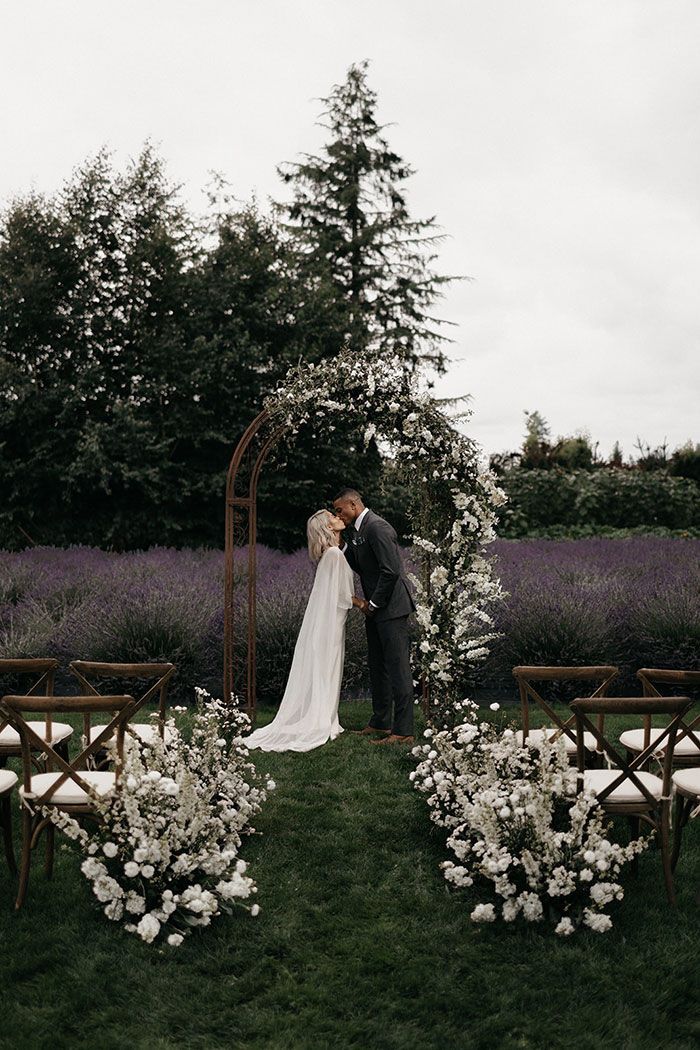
374,553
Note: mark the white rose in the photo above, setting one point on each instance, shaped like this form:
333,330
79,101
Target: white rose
483,913
131,869
148,928
175,939
110,849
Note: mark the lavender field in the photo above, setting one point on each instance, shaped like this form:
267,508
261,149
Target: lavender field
632,602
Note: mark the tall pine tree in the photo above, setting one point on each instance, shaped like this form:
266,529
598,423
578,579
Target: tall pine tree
350,219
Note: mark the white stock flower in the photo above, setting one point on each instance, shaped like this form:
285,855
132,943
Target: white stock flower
135,903
114,910
92,868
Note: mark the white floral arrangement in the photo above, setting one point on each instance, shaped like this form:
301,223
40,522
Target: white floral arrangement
164,858
518,826
455,498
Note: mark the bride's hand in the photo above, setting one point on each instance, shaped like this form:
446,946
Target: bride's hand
360,603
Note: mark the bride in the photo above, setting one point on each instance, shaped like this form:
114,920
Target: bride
308,714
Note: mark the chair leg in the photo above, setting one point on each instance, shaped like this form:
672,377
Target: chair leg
50,840
666,853
27,830
680,819
6,817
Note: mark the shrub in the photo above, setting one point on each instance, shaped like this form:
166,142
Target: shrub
631,602
575,499
627,601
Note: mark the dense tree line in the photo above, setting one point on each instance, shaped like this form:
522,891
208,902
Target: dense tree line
137,341
564,487
539,451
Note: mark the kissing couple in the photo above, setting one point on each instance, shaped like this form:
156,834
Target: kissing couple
308,714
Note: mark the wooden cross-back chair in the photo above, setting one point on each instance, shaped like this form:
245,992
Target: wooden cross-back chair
687,749
627,788
158,675
43,671
65,784
601,676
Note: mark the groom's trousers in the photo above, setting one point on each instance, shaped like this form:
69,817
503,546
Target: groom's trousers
388,647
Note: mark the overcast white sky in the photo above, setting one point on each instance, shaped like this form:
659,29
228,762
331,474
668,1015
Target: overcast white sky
556,141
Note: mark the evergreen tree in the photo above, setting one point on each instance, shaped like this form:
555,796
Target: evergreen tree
92,294
350,218
616,456
252,319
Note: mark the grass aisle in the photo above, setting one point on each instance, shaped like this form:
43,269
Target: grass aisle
358,944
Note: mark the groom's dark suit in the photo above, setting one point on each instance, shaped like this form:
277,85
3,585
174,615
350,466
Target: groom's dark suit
373,552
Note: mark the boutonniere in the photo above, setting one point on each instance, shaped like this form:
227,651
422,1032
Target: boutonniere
357,540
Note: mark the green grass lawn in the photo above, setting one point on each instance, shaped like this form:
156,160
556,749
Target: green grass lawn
359,943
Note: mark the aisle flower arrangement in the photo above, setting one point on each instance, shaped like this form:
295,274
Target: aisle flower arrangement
518,828
164,859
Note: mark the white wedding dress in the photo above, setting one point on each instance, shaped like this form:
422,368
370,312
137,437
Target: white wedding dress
308,714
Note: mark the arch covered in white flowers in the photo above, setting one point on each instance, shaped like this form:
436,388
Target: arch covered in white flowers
454,500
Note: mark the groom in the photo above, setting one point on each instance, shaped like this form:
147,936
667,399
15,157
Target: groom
373,552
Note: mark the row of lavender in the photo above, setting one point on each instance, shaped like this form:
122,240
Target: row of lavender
632,602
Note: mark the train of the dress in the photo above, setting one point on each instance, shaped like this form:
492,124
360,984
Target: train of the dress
308,714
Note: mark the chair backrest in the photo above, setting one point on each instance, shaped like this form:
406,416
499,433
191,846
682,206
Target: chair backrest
651,677
14,708
673,707
43,671
87,671
601,675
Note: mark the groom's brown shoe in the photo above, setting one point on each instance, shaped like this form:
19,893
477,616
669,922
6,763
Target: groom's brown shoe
393,738
370,731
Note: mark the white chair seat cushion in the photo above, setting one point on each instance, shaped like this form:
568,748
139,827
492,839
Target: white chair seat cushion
597,779
9,737
537,735
70,793
8,779
633,740
145,731
688,781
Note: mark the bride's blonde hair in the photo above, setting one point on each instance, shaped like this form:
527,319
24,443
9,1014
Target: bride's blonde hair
318,534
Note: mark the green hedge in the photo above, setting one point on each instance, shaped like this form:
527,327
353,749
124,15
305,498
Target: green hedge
583,502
